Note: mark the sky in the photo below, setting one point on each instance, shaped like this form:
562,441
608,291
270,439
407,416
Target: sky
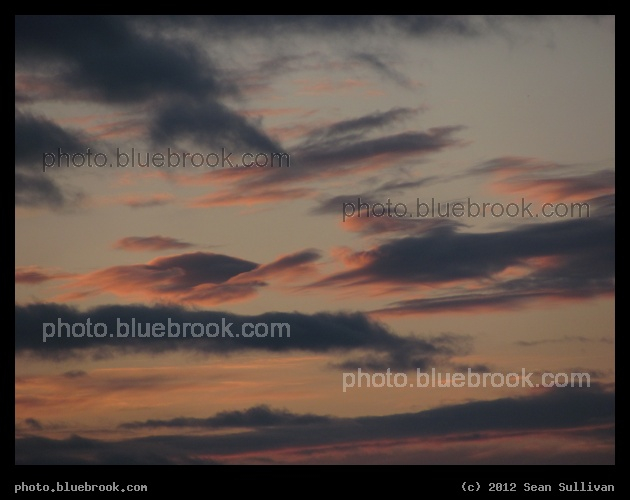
365,239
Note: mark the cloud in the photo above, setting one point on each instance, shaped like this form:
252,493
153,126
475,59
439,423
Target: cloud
583,186
35,136
75,374
184,105
342,148
488,301
190,278
255,417
361,213
341,155
176,77
252,196
566,338
33,275
584,417
512,165
150,243
358,127
33,424
210,125
380,194
32,191
369,226
295,263
449,256
346,147
140,201
384,69
462,27
111,60
333,333
567,259
545,180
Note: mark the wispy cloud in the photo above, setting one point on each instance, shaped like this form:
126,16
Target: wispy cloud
193,278
584,417
33,275
150,243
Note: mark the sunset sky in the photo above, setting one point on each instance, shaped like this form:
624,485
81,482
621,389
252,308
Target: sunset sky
409,109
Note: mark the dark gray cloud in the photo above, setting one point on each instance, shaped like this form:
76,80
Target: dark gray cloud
384,69
290,261
566,338
257,416
34,191
358,127
35,136
127,59
449,255
109,58
114,59
358,211
353,334
209,124
583,251
202,267
493,298
191,269
74,374
33,424
572,410
341,154
379,194
430,350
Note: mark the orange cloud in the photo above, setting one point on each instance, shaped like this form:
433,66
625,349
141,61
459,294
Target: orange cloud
192,278
235,196
142,201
